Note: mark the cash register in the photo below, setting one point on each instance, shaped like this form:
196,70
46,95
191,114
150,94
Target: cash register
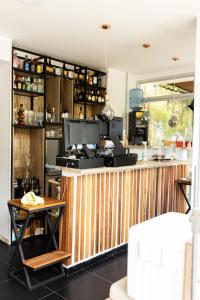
82,144
79,136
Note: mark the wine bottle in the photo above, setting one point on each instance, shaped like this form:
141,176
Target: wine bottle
53,115
81,115
27,64
21,115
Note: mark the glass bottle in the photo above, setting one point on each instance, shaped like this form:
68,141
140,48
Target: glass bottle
21,115
70,74
89,96
19,83
95,80
81,115
38,67
16,62
28,84
48,113
40,86
27,63
23,84
93,96
53,115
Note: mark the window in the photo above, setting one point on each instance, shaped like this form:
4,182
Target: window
164,99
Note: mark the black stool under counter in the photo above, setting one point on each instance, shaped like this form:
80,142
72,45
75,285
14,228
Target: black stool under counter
184,182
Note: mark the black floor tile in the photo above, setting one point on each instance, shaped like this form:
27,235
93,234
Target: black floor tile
68,281
11,289
112,270
3,272
52,296
91,288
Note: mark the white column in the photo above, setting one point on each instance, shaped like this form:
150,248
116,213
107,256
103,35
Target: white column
196,174
5,135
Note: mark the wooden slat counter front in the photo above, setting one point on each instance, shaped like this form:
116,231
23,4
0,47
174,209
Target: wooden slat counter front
103,203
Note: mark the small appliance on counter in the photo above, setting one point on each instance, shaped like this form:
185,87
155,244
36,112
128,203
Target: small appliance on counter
77,135
81,144
117,155
138,131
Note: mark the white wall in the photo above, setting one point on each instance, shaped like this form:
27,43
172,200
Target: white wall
5,49
5,137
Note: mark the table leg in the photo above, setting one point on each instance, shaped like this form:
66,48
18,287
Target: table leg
53,229
186,199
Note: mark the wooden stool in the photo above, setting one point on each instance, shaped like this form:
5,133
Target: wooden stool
46,259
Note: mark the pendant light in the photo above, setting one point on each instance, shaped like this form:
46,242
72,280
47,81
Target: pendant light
145,118
173,121
107,112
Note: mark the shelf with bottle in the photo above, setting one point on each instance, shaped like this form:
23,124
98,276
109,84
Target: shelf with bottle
28,63
27,118
28,86
53,68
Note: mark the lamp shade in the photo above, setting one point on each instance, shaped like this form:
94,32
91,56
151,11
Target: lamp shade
136,99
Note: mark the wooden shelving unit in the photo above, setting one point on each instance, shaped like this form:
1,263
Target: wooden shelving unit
61,82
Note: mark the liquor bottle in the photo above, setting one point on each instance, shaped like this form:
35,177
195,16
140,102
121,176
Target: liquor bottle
93,96
27,64
48,113
81,115
65,113
33,65
40,86
39,67
70,74
21,115
16,62
99,97
90,80
81,75
95,80
23,84
65,72
28,84
53,115
89,96
19,83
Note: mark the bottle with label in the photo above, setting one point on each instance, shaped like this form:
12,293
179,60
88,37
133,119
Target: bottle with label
65,113
81,115
93,96
21,115
48,113
27,64
70,74
89,96
144,151
53,115
23,84
19,83
28,84
40,86
39,68
81,75
95,80
16,62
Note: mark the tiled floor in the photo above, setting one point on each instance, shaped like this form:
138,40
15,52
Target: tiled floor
92,283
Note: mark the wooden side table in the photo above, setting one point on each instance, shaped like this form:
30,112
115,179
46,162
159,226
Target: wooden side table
46,259
181,182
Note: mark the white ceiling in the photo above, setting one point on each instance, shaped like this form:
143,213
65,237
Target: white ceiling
70,29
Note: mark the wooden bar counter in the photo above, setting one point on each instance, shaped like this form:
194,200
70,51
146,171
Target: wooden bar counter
103,203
